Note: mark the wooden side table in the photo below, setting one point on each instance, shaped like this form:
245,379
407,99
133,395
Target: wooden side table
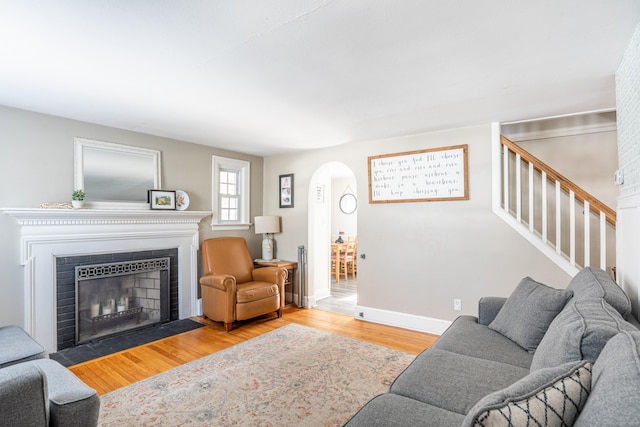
291,267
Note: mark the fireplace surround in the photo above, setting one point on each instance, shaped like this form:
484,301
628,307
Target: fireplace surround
49,234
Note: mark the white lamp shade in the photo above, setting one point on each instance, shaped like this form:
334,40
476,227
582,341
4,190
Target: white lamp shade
267,224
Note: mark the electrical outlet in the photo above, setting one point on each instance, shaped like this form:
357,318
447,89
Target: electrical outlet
457,304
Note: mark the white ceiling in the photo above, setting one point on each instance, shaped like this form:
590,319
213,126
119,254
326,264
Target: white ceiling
272,76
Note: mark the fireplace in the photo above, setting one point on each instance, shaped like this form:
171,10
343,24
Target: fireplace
103,295
50,235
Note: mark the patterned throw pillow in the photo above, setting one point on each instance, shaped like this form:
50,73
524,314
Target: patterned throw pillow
547,397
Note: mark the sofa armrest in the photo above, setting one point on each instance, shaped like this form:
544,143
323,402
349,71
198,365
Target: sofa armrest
17,346
23,395
488,308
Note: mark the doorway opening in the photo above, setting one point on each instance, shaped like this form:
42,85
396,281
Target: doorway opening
332,225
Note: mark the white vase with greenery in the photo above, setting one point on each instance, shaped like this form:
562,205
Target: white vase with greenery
77,199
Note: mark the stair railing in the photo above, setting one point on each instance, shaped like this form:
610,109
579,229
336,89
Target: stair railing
545,207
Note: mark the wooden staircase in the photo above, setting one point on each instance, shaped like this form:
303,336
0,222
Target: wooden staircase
565,222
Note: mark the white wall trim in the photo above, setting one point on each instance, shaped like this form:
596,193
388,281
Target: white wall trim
402,320
321,294
628,201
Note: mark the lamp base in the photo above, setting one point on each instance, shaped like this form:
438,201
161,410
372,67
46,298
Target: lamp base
267,248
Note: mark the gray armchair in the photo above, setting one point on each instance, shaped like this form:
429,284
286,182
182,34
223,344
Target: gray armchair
37,391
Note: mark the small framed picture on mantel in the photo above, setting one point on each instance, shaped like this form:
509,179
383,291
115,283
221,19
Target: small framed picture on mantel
162,200
286,191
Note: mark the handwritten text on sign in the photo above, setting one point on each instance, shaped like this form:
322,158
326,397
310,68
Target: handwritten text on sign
425,175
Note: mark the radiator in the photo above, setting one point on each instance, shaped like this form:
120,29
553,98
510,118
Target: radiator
302,275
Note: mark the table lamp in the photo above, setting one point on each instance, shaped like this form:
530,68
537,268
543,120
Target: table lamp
267,225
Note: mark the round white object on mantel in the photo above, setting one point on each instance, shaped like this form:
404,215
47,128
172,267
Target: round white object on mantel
182,200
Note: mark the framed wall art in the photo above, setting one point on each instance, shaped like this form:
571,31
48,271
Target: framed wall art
286,191
435,174
162,199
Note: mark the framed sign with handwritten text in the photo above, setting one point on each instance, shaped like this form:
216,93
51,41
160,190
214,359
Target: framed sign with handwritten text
435,174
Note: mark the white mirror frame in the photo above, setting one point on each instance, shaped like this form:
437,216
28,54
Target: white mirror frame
136,155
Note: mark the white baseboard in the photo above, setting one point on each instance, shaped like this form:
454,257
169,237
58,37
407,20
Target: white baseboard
312,300
402,320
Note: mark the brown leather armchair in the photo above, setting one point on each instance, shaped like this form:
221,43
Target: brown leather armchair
232,289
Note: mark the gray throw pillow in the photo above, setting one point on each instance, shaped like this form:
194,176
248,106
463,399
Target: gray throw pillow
579,332
528,312
548,397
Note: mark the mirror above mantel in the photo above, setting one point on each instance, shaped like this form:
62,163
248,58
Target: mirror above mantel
115,176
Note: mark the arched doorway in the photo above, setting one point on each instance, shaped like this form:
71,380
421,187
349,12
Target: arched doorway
326,222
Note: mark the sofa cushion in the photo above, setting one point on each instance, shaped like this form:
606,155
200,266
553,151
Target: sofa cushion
547,397
579,332
392,410
615,385
452,381
528,311
592,282
466,336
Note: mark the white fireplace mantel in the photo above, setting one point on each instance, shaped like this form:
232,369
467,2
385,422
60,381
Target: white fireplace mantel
49,233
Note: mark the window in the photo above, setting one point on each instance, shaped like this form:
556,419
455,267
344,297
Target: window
230,194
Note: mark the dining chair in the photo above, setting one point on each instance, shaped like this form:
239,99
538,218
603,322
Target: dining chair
348,258
335,261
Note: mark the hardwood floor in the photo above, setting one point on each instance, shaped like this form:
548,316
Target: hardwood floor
120,369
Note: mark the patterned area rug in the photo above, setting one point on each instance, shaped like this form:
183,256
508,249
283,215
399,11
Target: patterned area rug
293,376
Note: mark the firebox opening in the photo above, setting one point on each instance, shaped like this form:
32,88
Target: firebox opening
121,296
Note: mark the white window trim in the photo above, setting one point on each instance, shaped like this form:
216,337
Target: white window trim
245,183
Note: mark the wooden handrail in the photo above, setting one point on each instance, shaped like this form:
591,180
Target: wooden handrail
596,205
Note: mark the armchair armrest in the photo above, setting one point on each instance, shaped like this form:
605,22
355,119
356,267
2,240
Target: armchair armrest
223,282
23,395
488,308
271,274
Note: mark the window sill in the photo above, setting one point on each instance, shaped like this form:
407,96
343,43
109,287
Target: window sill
215,226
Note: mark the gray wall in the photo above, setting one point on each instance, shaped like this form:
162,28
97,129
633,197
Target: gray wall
419,256
36,166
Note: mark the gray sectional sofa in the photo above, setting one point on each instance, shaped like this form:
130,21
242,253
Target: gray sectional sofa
38,391
543,356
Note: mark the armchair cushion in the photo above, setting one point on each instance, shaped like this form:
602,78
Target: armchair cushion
253,291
